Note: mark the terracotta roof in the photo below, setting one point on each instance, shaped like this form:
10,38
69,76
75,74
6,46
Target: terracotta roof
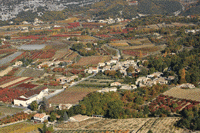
39,115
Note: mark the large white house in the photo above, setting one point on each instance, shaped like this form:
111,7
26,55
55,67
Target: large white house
40,117
30,96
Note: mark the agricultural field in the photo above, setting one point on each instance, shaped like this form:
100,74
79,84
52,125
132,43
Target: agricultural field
189,94
9,58
71,95
8,95
86,37
71,55
138,46
61,53
6,71
143,41
144,50
28,72
92,60
5,110
15,82
171,104
140,125
69,20
118,44
23,127
96,82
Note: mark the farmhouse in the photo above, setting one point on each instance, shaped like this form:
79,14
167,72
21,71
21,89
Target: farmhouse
93,70
30,96
40,117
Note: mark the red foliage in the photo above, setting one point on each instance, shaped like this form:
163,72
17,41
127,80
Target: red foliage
8,95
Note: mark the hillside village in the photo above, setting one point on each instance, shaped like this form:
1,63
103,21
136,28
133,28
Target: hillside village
86,74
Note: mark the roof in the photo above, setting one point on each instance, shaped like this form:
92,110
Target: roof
39,115
22,99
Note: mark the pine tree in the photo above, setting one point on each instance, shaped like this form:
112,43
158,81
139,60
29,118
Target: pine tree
65,117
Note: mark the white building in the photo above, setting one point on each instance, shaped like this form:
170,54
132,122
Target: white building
114,89
40,117
115,84
30,96
128,87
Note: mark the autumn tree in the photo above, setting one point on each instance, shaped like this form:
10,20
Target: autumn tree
182,76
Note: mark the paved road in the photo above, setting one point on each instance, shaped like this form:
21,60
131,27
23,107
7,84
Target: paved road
82,80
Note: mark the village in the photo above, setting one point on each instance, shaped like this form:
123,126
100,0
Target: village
81,72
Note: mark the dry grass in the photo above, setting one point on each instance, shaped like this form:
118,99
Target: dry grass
71,95
192,94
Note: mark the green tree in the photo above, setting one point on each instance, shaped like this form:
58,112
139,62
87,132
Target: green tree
150,131
44,128
7,37
52,117
34,105
146,110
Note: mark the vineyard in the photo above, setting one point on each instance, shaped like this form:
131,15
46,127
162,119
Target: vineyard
8,95
119,44
23,127
133,53
14,81
71,95
92,60
171,104
14,118
62,53
189,94
140,125
28,72
46,54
